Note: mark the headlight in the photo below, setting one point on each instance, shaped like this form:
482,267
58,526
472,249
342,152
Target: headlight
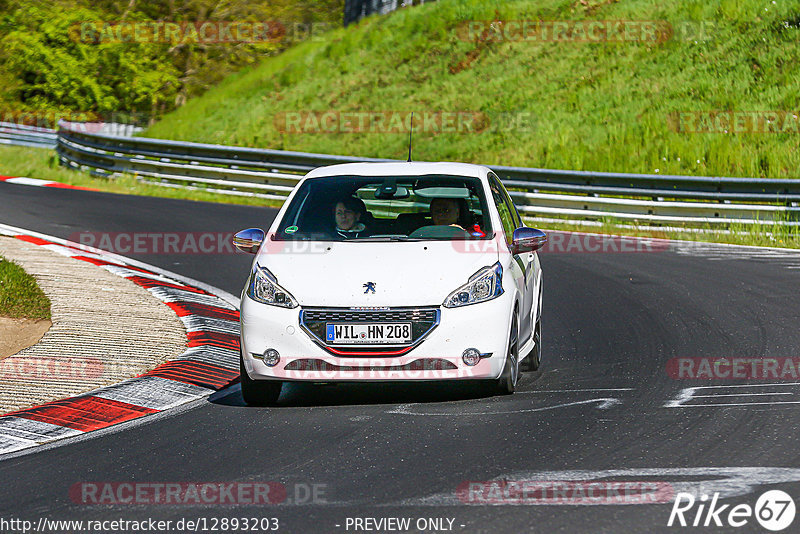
264,288
484,285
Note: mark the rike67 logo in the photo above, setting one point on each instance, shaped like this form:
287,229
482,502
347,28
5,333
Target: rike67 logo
774,511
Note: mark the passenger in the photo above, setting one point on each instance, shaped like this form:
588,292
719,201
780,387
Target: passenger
348,213
445,212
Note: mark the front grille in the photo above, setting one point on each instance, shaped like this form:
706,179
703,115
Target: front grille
423,321
427,315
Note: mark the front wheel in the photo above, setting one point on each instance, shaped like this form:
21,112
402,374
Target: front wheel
258,392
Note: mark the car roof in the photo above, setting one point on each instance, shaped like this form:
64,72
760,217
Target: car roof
400,168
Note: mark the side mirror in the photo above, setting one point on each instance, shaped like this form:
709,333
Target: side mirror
527,240
249,240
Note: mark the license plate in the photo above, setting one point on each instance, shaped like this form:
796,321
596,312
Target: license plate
367,333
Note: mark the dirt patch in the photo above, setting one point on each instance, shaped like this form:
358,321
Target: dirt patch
482,44
18,334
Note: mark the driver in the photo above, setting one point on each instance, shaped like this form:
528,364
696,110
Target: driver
445,212
348,212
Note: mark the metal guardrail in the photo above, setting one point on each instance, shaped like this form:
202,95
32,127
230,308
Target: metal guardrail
22,135
537,192
39,137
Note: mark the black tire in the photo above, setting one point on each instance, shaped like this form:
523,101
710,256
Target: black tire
506,383
258,392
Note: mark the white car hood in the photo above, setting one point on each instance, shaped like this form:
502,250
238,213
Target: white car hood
421,273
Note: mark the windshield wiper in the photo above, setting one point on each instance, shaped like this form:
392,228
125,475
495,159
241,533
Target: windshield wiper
387,238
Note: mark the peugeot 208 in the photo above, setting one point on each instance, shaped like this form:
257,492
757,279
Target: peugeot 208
391,272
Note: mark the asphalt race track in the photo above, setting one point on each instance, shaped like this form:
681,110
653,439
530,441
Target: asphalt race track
604,404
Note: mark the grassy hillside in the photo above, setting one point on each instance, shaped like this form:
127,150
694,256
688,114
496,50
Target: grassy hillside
608,106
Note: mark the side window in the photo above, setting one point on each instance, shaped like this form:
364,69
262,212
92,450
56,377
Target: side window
505,210
514,212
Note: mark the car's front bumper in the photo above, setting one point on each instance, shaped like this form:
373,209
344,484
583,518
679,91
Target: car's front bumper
438,356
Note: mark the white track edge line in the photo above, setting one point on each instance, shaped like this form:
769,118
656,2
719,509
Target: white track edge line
221,293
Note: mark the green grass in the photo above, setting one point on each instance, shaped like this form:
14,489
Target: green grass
43,164
20,296
593,106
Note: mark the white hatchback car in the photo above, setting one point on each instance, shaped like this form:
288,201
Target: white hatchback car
391,272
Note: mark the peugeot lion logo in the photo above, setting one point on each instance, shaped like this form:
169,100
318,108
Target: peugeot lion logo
369,287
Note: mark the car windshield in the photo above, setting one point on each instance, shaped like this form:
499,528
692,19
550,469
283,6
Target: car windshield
387,208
